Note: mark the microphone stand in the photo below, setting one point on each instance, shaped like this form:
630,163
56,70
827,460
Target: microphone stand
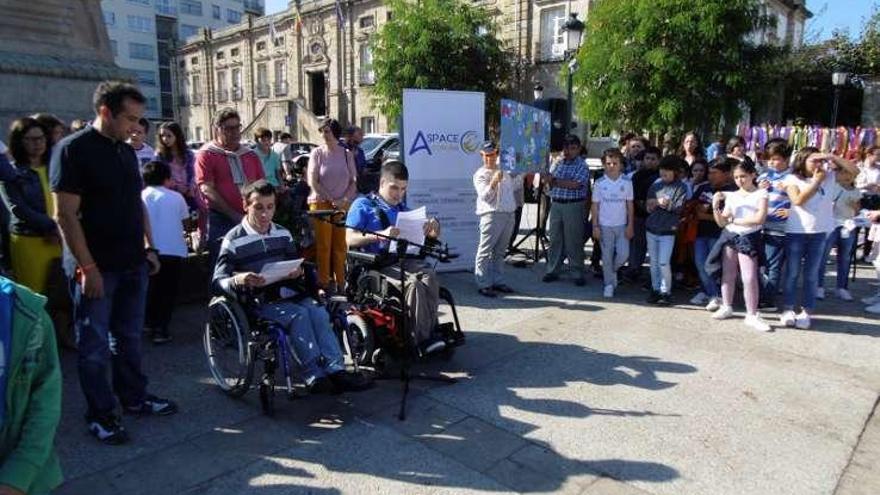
442,255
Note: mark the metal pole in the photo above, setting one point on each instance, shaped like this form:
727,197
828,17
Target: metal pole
570,103
836,106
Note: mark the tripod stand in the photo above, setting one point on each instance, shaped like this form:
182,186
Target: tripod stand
409,342
539,232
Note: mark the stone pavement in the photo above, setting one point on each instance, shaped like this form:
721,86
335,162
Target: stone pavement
560,391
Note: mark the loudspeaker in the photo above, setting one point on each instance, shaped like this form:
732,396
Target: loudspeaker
558,108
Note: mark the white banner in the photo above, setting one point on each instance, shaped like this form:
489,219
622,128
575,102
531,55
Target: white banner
442,135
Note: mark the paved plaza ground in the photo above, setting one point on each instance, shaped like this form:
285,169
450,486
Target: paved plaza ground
560,391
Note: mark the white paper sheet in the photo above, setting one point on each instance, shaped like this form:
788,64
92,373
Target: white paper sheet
273,272
411,225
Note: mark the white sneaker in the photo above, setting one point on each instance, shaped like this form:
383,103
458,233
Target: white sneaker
820,293
872,299
787,318
873,309
723,313
802,320
844,295
700,299
714,304
756,323
609,291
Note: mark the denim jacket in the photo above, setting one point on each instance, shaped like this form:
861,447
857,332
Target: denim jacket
24,198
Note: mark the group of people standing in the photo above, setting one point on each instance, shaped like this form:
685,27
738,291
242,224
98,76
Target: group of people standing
771,221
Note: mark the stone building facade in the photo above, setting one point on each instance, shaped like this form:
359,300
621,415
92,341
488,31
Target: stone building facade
317,68
53,53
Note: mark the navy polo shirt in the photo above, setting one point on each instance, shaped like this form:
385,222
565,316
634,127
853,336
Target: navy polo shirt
105,174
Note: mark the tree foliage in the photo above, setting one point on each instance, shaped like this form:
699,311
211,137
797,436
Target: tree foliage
667,64
437,44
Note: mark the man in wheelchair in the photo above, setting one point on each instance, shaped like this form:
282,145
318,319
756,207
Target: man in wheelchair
377,212
249,246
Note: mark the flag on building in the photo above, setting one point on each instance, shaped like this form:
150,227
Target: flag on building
297,16
340,18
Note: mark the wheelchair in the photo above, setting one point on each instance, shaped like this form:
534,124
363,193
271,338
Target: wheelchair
235,339
368,318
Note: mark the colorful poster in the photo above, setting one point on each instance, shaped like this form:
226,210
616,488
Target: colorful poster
525,137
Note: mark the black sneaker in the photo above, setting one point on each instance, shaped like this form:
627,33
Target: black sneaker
664,300
350,382
152,405
161,337
654,297
108,429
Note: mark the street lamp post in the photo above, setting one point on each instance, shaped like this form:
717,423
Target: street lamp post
838,80
574,30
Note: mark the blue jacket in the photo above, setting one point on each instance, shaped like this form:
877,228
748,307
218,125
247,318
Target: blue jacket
24,198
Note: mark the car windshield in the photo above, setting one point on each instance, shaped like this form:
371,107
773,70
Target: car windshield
370,143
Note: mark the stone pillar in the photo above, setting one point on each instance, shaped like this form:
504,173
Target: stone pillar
871,103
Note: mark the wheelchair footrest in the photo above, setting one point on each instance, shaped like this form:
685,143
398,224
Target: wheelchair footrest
450,335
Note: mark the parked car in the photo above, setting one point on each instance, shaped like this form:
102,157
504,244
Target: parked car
376,145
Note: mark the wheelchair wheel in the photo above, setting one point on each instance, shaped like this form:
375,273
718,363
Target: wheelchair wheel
226,342
358,339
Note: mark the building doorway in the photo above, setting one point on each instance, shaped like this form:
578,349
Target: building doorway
318,93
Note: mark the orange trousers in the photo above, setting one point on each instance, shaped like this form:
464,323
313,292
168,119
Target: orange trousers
330,248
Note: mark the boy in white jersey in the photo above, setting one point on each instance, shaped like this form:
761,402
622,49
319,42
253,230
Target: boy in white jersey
612,212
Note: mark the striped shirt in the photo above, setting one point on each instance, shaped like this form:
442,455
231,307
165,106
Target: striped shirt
245,250
576,170
777,199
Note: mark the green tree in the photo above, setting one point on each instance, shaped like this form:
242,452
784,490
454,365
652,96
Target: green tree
437,44
659,65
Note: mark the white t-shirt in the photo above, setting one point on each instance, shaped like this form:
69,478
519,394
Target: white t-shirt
612,196
816,216
145,154
167,209
742,206
843,198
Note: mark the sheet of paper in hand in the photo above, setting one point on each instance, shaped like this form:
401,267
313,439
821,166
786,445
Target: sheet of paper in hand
412,228
273,272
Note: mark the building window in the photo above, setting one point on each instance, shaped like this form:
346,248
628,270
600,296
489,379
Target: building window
215,11
140,24
368,124
221,55
114,48
109,18
261,46
146,77
280,78
194,61
198,134
234,52
279,41
166,7
187,31
196,90
552,35
191,7
222,87
237,91
262,81
182,63
141,51
367,74
367,21
388,15
233,16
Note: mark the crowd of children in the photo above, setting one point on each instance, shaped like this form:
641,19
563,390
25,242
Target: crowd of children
771,223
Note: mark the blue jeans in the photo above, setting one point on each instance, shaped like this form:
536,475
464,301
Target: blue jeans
660,252
844,256
702,247
312,340
109,332
803,252
774,254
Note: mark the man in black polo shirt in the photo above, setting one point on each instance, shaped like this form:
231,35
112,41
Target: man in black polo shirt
96,185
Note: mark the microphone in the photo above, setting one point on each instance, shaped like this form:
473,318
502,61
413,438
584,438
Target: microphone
322,213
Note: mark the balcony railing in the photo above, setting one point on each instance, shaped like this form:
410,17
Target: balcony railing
281,88
196,99
222,95
263,91
237,94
